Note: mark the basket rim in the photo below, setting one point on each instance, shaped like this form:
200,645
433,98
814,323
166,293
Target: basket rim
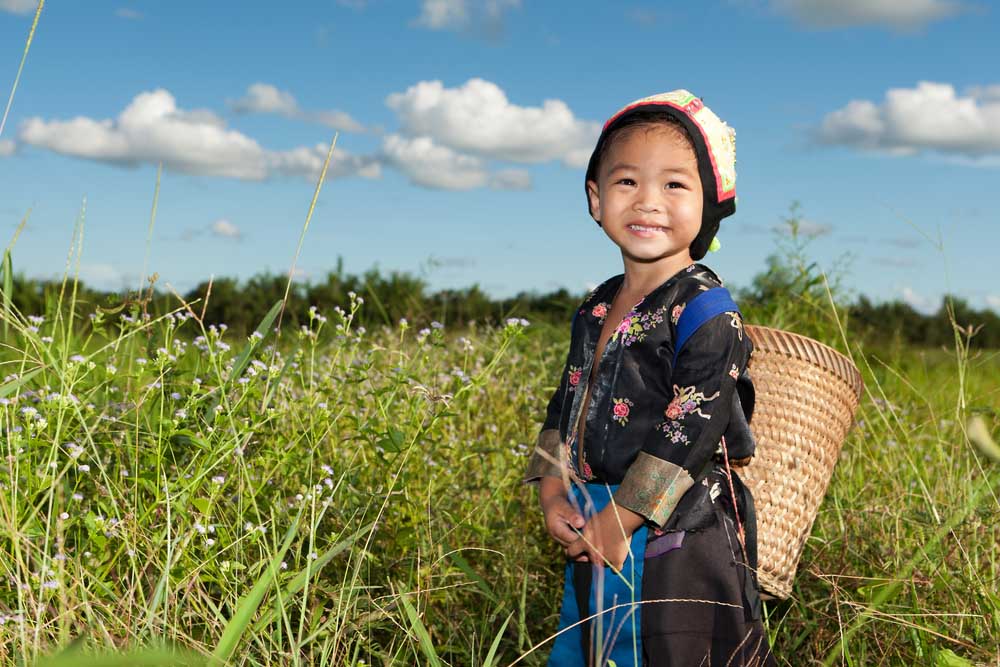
782,336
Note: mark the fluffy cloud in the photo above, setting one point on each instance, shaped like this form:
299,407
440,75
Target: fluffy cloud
265,98
432,166
483,16
18,6
930,117
153,129
511,179
308,163
895,14
993,301
7,147
225,229
477,117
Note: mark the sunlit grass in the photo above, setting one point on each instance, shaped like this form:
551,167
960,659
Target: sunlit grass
154,468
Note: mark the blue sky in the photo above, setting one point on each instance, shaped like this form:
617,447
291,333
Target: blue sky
465,125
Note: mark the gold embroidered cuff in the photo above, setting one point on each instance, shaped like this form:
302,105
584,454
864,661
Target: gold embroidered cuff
546,460
652,487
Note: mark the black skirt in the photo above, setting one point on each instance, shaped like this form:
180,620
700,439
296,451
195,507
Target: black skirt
710,614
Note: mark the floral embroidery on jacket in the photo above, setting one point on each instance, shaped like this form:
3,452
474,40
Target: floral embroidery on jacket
620,410
575,372
675,314
686,401
734,372
634,326
600,311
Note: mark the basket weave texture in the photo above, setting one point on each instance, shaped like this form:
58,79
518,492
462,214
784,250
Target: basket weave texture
807,394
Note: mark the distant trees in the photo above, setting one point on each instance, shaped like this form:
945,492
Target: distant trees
783,295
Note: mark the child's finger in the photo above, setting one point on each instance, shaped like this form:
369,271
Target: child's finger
576,549
563,533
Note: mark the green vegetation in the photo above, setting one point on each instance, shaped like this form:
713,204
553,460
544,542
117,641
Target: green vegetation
328,492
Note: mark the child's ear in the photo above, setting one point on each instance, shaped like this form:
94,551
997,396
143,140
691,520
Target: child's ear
594,195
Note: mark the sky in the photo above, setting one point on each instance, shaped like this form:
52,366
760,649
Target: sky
464,126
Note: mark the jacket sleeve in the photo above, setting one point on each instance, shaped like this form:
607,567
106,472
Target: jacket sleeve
700,390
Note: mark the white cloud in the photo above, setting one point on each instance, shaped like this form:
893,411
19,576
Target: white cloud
7,147
152,129
930,117
477,117
993,301
482,16
128,13
225,229
443,14
308,163
895,14
430,165
919,302
990,92
511,179
18,6
265,98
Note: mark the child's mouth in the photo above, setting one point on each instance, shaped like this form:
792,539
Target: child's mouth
644,230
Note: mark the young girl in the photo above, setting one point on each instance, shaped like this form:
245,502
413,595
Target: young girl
634,460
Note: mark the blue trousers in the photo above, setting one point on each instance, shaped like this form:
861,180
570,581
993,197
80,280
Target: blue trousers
613,631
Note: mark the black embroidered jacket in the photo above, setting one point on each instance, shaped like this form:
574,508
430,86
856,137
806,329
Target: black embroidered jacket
651,427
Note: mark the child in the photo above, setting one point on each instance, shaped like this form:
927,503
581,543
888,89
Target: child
635,454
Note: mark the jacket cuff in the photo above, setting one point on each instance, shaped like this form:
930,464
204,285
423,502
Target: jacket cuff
547,459
652,487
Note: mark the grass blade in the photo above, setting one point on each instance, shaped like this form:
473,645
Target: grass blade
496,642
248,605
14,384
426,645
6,270
299,582
20,68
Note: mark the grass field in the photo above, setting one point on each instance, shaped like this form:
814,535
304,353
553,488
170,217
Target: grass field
340,496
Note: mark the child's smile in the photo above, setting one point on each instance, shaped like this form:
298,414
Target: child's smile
649,197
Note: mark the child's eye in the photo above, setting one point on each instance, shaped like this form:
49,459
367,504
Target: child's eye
625,181
673,185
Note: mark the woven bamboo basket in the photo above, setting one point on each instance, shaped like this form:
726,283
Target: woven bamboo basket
807,394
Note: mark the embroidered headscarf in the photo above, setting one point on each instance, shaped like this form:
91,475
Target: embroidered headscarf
715,147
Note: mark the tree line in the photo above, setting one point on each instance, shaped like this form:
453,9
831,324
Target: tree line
786,294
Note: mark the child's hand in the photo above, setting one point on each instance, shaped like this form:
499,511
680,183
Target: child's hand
604,539
560,517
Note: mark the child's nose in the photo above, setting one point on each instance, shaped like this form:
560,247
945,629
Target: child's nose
649,199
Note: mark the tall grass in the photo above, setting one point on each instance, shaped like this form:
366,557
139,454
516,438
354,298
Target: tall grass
353,497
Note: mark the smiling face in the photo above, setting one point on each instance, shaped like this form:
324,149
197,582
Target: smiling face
648,195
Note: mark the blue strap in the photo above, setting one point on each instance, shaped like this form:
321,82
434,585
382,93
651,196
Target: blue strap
699,310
